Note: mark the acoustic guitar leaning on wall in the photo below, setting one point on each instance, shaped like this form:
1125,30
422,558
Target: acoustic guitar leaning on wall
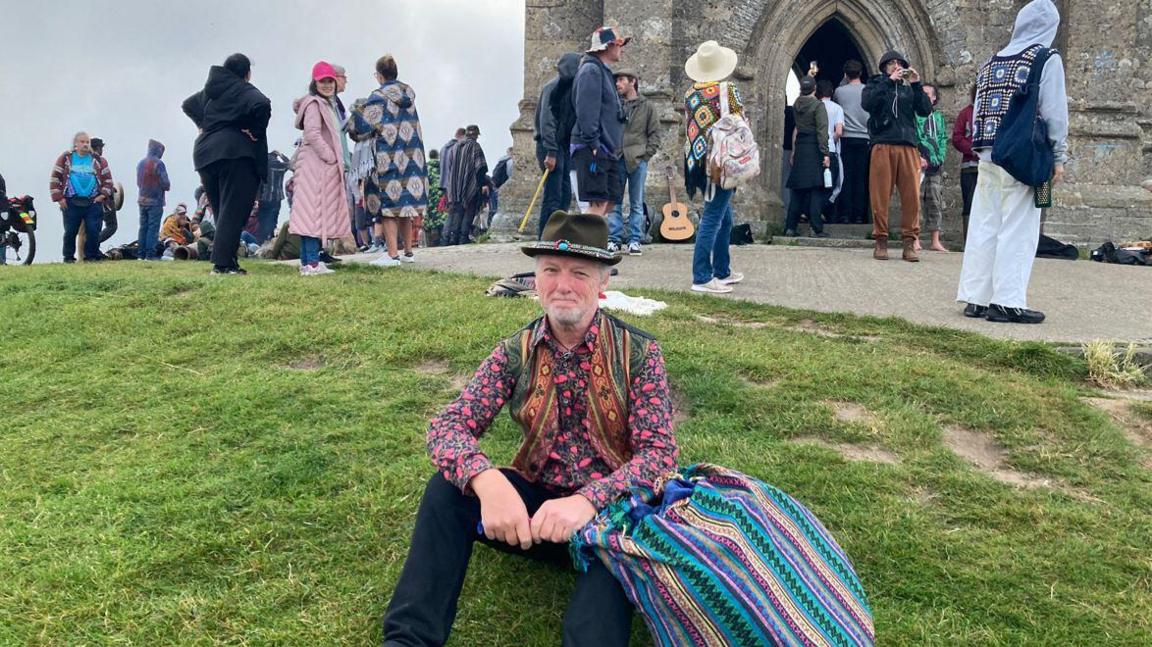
675,227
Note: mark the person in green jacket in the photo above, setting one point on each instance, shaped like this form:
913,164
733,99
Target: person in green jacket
933,136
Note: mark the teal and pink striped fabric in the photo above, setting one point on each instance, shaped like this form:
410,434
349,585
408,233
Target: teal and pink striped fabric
723,559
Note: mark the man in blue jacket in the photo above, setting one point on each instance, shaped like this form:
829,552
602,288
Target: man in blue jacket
598,136
152,181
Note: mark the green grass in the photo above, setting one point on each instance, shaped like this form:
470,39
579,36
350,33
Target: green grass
203,460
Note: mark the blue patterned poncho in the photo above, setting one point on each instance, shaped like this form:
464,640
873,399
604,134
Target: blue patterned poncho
721,559
399,186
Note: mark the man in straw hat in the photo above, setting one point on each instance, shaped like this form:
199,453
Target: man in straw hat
711,263
591,396
598,136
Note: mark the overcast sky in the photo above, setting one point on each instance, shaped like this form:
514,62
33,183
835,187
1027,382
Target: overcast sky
120,70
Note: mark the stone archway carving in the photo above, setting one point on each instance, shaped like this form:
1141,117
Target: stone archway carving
781,31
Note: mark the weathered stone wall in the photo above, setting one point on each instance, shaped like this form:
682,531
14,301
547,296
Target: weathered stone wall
1106,46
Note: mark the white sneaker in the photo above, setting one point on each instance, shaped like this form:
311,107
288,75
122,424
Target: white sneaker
408,258
731,279
308,270
634,249
711,287
386,261
322,268
613,247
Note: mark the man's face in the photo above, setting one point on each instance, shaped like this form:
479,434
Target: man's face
613,54
569,288
341,82
622,85
83,144
931,92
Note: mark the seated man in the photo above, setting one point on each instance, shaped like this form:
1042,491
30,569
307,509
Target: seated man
591,395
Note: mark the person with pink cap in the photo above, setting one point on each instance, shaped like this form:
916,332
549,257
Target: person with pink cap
319,205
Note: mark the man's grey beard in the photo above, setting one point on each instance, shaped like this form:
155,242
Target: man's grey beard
567,317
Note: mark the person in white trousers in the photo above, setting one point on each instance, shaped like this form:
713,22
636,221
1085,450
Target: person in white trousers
1004,229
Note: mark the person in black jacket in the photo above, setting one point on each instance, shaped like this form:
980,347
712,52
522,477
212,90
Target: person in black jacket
893,99
555,116
231,152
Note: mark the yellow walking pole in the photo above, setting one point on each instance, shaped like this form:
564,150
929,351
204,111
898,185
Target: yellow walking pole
536,197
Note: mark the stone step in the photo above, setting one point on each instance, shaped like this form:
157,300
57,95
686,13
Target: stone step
805,241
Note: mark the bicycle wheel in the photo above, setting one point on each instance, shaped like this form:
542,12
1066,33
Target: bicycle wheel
19,244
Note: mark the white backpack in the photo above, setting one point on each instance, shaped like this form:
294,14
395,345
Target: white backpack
733,156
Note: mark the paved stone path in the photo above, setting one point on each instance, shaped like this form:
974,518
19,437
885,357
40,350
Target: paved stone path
1084,301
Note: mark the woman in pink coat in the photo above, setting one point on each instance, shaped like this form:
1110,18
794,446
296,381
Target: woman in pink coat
320,204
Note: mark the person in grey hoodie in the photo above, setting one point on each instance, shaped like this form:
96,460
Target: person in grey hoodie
555,116
598,136
1004,228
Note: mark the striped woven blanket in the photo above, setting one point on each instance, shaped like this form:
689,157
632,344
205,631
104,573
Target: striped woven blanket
720,558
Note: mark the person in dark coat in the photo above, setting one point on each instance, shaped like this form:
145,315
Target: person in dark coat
810,156
555,116
231,152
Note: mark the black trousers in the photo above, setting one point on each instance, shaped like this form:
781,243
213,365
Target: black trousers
968,179
557,193
810,201
458,229
423,606
231,186
853,203
111,224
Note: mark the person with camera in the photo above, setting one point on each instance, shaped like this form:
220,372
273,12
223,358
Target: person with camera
893,100
80,183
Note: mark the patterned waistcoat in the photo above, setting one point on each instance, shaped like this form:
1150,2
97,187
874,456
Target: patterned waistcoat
619,353
996,82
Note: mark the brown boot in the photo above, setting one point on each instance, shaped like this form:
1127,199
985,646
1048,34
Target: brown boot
910,254
881,251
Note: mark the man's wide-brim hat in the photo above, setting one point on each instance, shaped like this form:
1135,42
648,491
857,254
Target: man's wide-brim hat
579,235
711,62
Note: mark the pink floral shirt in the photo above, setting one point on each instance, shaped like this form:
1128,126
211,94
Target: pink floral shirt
573,465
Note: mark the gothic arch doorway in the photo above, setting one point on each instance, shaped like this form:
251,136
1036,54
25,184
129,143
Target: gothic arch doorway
788,35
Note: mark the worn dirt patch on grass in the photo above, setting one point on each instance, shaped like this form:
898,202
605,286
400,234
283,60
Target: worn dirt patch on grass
433,367
309,363
856,453
459,381
853,413
1137,429
723,321
812,328
990,458
680,407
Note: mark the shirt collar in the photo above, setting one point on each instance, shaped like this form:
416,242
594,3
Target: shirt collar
543,333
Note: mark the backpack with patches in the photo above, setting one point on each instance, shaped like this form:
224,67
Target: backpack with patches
733,156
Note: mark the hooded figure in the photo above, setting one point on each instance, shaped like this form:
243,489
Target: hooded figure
1004,227
233,119
152,177
555,117
397,188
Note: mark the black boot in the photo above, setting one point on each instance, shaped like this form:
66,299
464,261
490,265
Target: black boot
1001,314
975,311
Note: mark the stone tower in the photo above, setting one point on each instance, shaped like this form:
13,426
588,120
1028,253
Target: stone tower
1106,48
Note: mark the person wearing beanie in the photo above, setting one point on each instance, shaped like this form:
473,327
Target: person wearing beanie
320,204
810,156
231,152
893,100
584,448
1004,228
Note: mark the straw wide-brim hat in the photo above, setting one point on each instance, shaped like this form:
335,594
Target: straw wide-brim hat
711,62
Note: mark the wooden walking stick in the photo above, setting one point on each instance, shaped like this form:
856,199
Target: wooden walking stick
536,197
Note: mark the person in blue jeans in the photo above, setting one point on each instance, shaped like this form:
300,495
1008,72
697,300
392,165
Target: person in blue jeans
152,181
641,141
80,183
705,102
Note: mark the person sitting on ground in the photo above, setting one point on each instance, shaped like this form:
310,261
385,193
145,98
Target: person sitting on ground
177,228
591,395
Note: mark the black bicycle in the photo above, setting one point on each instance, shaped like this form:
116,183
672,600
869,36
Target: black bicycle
18,230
